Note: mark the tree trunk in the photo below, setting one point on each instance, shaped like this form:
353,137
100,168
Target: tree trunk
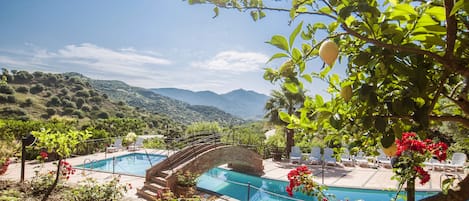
461,193
51,188
290,141
410,190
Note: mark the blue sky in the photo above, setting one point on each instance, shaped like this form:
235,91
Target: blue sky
145,43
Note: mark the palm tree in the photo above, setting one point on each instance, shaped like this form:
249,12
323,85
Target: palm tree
284,101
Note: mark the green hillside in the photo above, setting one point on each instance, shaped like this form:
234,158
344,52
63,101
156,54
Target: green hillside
38,95
158,104
42,96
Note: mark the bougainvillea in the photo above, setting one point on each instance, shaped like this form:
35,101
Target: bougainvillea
301,179
412,153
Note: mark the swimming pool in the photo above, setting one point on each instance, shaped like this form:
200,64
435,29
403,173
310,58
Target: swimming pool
131,164
234,184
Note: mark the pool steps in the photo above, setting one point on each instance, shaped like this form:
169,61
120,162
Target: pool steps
158,175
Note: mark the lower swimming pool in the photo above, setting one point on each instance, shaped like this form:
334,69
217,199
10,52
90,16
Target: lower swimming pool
131,164
235,184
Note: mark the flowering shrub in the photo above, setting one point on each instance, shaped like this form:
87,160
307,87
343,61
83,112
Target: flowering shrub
187,178
90,190
301,179
412,152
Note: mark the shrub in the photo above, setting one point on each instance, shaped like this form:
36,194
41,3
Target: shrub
51,111
78,113
90,189
64,91
22,89
27,103
6,89
41,182
79,102
85,108
54,101
186,178
37,88
68,104
11,99
82,93
103,115
68,111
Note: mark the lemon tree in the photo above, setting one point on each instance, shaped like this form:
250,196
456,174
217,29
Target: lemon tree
407,67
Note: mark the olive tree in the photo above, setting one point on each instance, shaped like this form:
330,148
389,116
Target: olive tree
407,66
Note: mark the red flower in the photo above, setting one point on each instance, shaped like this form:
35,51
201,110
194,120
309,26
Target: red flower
44,155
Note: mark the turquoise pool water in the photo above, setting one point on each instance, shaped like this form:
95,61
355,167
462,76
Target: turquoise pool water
234,184
132,164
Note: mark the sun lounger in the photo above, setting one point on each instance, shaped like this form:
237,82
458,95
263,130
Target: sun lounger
383,160
346,158
434,163
295,154
116,146
362,160
137,145
457,161
329,159
314,156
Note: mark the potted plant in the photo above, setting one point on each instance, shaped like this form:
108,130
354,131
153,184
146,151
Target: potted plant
185,183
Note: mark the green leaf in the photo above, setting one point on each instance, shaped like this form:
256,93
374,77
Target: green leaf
403,11
459,4
294,34
277,55
261,14
332,27
307,77
296,54
216,12
284,117
254,15
280,42
319,25
438,12
302,9
326,10
306,48
291,87
319,100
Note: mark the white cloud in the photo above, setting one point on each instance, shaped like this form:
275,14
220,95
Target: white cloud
89,59
233,61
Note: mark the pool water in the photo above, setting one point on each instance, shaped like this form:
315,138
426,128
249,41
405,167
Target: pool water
235,184
132,164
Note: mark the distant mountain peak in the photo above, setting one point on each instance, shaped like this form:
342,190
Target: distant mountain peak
243,103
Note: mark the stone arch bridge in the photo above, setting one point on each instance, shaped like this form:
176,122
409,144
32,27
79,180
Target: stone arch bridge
199,159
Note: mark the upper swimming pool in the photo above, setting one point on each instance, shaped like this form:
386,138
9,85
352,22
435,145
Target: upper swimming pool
235,184
131,164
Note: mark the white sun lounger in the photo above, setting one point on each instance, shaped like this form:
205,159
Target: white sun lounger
295,154
315,156
116,146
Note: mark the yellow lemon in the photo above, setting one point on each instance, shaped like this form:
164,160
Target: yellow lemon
390,151
328,52
346,93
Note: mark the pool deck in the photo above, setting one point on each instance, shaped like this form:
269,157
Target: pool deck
340,176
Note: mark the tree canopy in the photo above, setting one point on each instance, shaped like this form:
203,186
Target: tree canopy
407,65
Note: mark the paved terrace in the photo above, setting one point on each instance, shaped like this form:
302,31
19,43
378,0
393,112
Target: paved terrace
356,177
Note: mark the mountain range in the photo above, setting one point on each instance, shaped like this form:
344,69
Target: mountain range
241,103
